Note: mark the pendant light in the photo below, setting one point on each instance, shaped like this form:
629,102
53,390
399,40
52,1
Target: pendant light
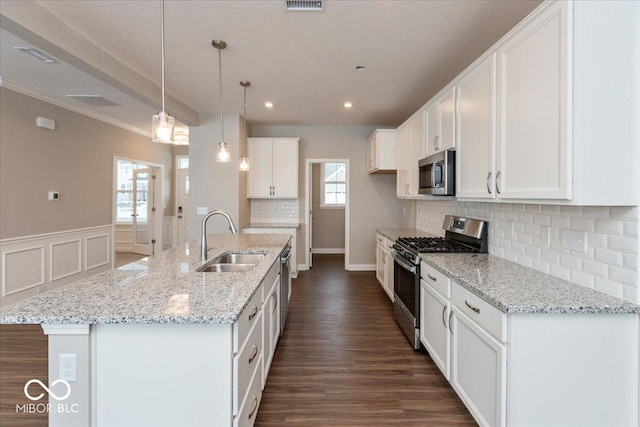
244,161
162,124
223,151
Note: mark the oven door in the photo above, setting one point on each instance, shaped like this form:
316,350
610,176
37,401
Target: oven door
404,282
405,306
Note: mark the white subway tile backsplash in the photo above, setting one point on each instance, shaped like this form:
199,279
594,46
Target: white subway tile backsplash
611,260
270,211
623,244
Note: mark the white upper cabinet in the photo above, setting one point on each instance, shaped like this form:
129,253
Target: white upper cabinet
567,102
476,131
410,149
381,151
274,168
439,133
533,141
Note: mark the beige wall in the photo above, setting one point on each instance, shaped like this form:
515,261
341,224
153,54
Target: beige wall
373,202
217,185
328,224
76,159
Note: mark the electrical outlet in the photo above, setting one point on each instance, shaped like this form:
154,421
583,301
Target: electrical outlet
545,235
67,367
202,210
574,240
509,229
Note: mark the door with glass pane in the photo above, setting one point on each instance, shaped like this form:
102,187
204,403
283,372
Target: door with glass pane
183,205
142,215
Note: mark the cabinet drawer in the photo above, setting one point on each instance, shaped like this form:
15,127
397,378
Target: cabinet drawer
246,363
484,314
248,318
437,280
381,240
249,409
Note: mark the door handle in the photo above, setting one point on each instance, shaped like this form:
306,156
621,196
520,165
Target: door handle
179,216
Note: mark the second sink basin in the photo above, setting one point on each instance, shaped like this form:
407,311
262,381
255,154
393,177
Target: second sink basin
239,258
227,268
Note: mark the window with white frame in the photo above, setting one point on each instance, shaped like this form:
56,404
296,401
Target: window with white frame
124,190
334,185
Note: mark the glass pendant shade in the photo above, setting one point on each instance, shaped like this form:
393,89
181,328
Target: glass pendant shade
162,126
223,153
244,163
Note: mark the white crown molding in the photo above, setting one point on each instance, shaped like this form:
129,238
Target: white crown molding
77,109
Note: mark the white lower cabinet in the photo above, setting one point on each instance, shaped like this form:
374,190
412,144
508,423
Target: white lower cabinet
531,369
271,325
384,264
478,370
434,333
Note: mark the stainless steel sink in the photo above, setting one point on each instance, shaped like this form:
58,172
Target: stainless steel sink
227,268
239,258
233,262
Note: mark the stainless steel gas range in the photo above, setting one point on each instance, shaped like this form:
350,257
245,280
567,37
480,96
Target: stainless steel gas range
461,235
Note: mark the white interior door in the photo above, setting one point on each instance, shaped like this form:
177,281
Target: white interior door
143,211
183,205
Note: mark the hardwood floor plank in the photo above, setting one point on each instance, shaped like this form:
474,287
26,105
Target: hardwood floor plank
343,360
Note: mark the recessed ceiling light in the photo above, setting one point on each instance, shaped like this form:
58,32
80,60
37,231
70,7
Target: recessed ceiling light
36,54
348,104
268,104
360,67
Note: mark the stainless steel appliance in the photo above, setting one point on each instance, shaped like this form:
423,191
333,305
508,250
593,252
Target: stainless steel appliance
461,235
437,174
285,285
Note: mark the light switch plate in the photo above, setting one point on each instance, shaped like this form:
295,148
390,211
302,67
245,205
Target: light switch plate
545,235
509,229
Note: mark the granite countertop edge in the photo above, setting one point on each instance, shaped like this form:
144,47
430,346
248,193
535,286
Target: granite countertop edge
599,302
161,289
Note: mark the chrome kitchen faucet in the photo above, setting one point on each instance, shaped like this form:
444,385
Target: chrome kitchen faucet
203,243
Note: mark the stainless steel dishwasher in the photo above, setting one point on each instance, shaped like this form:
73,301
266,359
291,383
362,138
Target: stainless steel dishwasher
285,284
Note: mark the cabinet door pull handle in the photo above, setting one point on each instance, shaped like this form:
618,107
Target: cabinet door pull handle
435,279
476,309
255,406
255,353
450,328
275,302
444,309
498,182
488,185
255,311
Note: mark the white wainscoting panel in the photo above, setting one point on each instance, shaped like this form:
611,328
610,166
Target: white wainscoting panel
23,269
65,259
97,251
34,264
167,232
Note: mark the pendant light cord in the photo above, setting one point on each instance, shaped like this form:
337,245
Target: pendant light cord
162,45
221,103
245,112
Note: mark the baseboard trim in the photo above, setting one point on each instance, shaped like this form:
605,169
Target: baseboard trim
361,267
327,250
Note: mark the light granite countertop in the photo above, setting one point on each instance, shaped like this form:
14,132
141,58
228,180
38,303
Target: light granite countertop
273,225
513,288
164,288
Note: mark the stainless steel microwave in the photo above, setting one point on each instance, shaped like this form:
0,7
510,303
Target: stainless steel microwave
437,174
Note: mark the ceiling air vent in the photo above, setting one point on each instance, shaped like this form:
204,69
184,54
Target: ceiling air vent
304,5
93,100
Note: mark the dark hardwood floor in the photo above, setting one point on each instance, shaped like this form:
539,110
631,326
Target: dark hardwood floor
343,361
23,356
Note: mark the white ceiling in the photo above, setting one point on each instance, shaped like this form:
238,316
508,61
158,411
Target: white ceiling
302,61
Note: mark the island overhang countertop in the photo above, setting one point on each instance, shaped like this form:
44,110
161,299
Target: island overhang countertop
164,288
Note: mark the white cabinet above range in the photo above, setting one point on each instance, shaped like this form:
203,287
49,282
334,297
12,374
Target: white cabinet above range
274,168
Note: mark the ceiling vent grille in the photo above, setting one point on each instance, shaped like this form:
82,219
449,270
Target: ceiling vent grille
305,5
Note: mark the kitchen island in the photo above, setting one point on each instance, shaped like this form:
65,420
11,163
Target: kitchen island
158,343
